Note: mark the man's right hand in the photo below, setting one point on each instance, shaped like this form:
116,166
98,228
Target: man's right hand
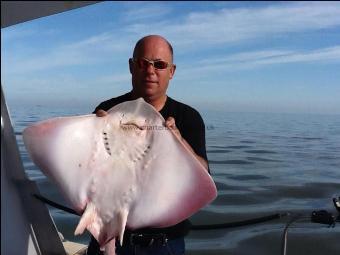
101,113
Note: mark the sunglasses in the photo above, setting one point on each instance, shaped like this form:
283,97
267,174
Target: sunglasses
143,63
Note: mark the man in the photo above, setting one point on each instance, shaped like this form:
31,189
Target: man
151,69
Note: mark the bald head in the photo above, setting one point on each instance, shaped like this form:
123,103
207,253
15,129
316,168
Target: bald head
152,38
148,81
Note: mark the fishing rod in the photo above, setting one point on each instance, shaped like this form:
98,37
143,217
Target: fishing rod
55,205
321,217
192,227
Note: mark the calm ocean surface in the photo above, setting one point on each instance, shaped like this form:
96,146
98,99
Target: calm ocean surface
262,163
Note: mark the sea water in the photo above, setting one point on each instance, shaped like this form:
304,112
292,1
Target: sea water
262,163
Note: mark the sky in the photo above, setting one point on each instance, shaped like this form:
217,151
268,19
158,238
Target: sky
232,56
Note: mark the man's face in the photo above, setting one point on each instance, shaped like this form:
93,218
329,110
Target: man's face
149,82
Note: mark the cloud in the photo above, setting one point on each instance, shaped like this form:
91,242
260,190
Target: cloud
144,11
247,56
20,32
242,24
254,59
203,30
9,34
89,51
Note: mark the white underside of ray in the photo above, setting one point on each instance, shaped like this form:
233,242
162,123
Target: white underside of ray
124,169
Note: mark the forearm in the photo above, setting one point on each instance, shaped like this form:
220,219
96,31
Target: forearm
170,123
200,159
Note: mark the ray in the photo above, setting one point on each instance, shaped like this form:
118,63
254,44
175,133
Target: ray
124,170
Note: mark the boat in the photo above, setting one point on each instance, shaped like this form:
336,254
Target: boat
27,227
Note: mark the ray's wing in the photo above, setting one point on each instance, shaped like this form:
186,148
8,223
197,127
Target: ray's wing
172,184
175,187
63,149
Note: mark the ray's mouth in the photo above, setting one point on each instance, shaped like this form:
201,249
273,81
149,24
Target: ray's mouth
131,124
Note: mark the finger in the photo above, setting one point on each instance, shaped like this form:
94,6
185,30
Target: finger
170,123
101,113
